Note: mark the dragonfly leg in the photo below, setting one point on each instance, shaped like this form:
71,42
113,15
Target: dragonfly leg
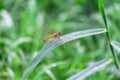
57,38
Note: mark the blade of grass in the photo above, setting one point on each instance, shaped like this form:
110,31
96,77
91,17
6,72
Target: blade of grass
90,70
101,9
116,45
21,41
55,43
48,71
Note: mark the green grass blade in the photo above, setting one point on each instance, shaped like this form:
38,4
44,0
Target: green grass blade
51,75
101,9
55,43
21,41
116,45
90,70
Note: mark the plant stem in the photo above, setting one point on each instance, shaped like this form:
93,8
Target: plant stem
113,53
101,8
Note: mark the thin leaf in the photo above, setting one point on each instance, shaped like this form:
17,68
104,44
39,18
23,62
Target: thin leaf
55,43
52,76
116,45
101,9
21,41
90,70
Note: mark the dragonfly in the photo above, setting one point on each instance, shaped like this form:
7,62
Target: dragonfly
54,35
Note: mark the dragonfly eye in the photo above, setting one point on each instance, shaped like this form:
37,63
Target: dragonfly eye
59,33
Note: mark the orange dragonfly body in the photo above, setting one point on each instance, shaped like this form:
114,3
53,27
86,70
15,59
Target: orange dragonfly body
54,35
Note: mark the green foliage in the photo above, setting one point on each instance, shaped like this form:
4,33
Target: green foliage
101,8
90,70
116,45
53,44
25,23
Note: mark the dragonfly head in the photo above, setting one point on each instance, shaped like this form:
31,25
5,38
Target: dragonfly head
59,33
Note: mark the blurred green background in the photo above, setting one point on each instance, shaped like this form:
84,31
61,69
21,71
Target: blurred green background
24,23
